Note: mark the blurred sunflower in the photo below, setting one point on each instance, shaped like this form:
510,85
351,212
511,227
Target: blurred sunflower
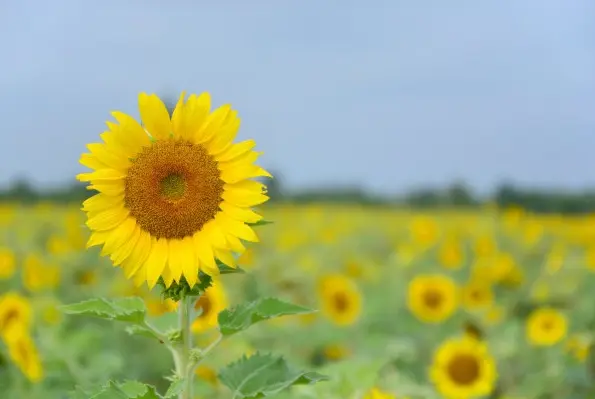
340,299
174,194
7,263
432,298
210,304
15,315
23,353
451,254
463,368
546,326
207,374
477,295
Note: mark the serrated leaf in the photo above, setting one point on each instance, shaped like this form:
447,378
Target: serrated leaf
174,389
263,375
111,391
242,316
150,393
136,329
123,309
260,223
133,388
224,269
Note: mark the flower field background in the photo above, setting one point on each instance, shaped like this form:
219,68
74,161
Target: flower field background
403,296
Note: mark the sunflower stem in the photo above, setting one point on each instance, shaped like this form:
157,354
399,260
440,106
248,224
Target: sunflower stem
183,368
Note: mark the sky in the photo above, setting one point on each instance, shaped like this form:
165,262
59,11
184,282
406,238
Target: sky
387,95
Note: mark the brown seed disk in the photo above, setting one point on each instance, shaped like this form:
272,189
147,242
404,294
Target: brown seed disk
173,188
433,299
464,369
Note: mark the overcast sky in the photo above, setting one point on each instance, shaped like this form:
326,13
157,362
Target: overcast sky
388,94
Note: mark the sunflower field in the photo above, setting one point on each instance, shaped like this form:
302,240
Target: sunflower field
435,304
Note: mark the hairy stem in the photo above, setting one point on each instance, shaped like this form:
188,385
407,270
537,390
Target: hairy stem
183,367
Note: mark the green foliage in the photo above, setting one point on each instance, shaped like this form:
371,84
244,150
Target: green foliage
260,223
123,309
263,375
127,390
178,290
242,316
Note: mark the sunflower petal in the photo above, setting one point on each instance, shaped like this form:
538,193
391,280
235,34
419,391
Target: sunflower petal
238,213
212,124
108,219
236,175
156,261
236,150
154,115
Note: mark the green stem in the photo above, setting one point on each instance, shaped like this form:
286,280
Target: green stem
183,368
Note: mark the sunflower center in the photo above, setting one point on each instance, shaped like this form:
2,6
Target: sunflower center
340,301
10,316
464,369
205,304
547,325
173,188
433,299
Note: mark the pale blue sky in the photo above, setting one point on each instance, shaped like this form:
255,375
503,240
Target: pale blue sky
390,94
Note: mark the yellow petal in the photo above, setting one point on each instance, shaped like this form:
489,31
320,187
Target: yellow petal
204,252
167,275
91,162
238,213
119,236
235,244
135,262
237,228
241,162
124,251
236,150
102,154
236,175
132,132
97,238
101,174
156,261
108,219
178,118
100,202
182,259
244,199
223,138
212,124
197,110
226,257
216,236
114,188
154,115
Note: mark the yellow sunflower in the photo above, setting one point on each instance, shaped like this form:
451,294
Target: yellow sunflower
546,326
477,295
7,263
15,315
340,298
23,353
210,303
463,368
175,193
432,298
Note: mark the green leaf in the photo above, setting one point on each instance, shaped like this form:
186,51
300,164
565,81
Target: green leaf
242,316
176,387
260,223
263,375
150,393
224,269
111,391
125,390
133,388
123,309
136,329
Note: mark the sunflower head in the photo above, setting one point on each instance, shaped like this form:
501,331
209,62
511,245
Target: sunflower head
209,304
432,298
546,326
340,299
463,368
477,295
175,194
15,315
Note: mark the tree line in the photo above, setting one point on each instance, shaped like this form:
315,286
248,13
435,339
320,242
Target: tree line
457,194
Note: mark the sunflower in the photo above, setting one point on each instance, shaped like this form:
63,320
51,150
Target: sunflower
477,295
174,194
210,303
7,263
15,315
463,368
340,299
546,326
432,298
23,353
